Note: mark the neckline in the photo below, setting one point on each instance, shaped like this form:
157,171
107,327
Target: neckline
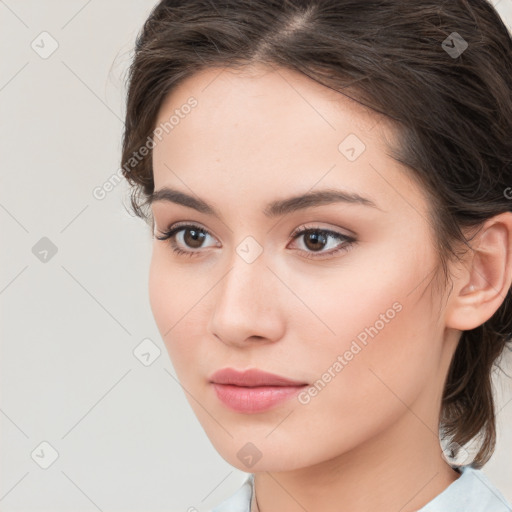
461,470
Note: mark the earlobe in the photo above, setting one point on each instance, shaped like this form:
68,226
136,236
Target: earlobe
481,289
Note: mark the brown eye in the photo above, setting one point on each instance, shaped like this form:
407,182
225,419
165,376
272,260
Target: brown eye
315,240
185,239
193,238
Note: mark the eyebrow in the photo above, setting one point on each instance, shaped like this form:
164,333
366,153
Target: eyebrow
276,208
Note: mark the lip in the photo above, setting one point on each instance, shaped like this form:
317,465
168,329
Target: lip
253,390
252,378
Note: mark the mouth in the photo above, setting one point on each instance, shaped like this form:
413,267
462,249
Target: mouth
252,378
253,390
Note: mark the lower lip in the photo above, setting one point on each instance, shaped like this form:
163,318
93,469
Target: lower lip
257,399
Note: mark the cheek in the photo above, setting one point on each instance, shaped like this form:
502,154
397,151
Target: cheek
161,298
171,292
375,329
172,302
374,382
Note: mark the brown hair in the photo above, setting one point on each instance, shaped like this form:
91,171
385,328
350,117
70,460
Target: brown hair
451,105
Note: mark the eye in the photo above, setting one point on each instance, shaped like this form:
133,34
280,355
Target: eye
317,239
188,234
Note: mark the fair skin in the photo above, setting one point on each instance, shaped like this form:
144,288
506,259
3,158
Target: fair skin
368,441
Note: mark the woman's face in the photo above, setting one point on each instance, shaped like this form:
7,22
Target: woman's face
357,321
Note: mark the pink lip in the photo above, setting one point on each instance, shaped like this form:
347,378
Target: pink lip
253,390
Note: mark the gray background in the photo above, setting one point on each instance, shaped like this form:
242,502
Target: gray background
126,438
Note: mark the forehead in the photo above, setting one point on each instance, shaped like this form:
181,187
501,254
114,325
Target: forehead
260,131
262,92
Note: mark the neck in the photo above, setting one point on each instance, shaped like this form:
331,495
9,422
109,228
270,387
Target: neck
401,469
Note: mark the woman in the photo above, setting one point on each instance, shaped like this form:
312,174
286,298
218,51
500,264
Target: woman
329,187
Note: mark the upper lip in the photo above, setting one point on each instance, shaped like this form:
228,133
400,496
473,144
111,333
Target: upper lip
251,378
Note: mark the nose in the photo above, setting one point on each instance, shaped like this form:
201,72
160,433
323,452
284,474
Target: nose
247,308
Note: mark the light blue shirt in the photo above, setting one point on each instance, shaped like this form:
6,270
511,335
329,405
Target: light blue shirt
471,492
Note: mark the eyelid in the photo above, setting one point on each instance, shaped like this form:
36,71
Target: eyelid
302,227
317,227
180,226
347,241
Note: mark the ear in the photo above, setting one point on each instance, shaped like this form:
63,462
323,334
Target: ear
480,289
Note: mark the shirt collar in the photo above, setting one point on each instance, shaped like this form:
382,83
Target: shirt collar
471,491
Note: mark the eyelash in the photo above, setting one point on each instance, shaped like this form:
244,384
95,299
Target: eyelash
171,233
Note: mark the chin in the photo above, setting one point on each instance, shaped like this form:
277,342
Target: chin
260,456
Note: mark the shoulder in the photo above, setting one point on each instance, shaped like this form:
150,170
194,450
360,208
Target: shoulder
240,501
471,491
